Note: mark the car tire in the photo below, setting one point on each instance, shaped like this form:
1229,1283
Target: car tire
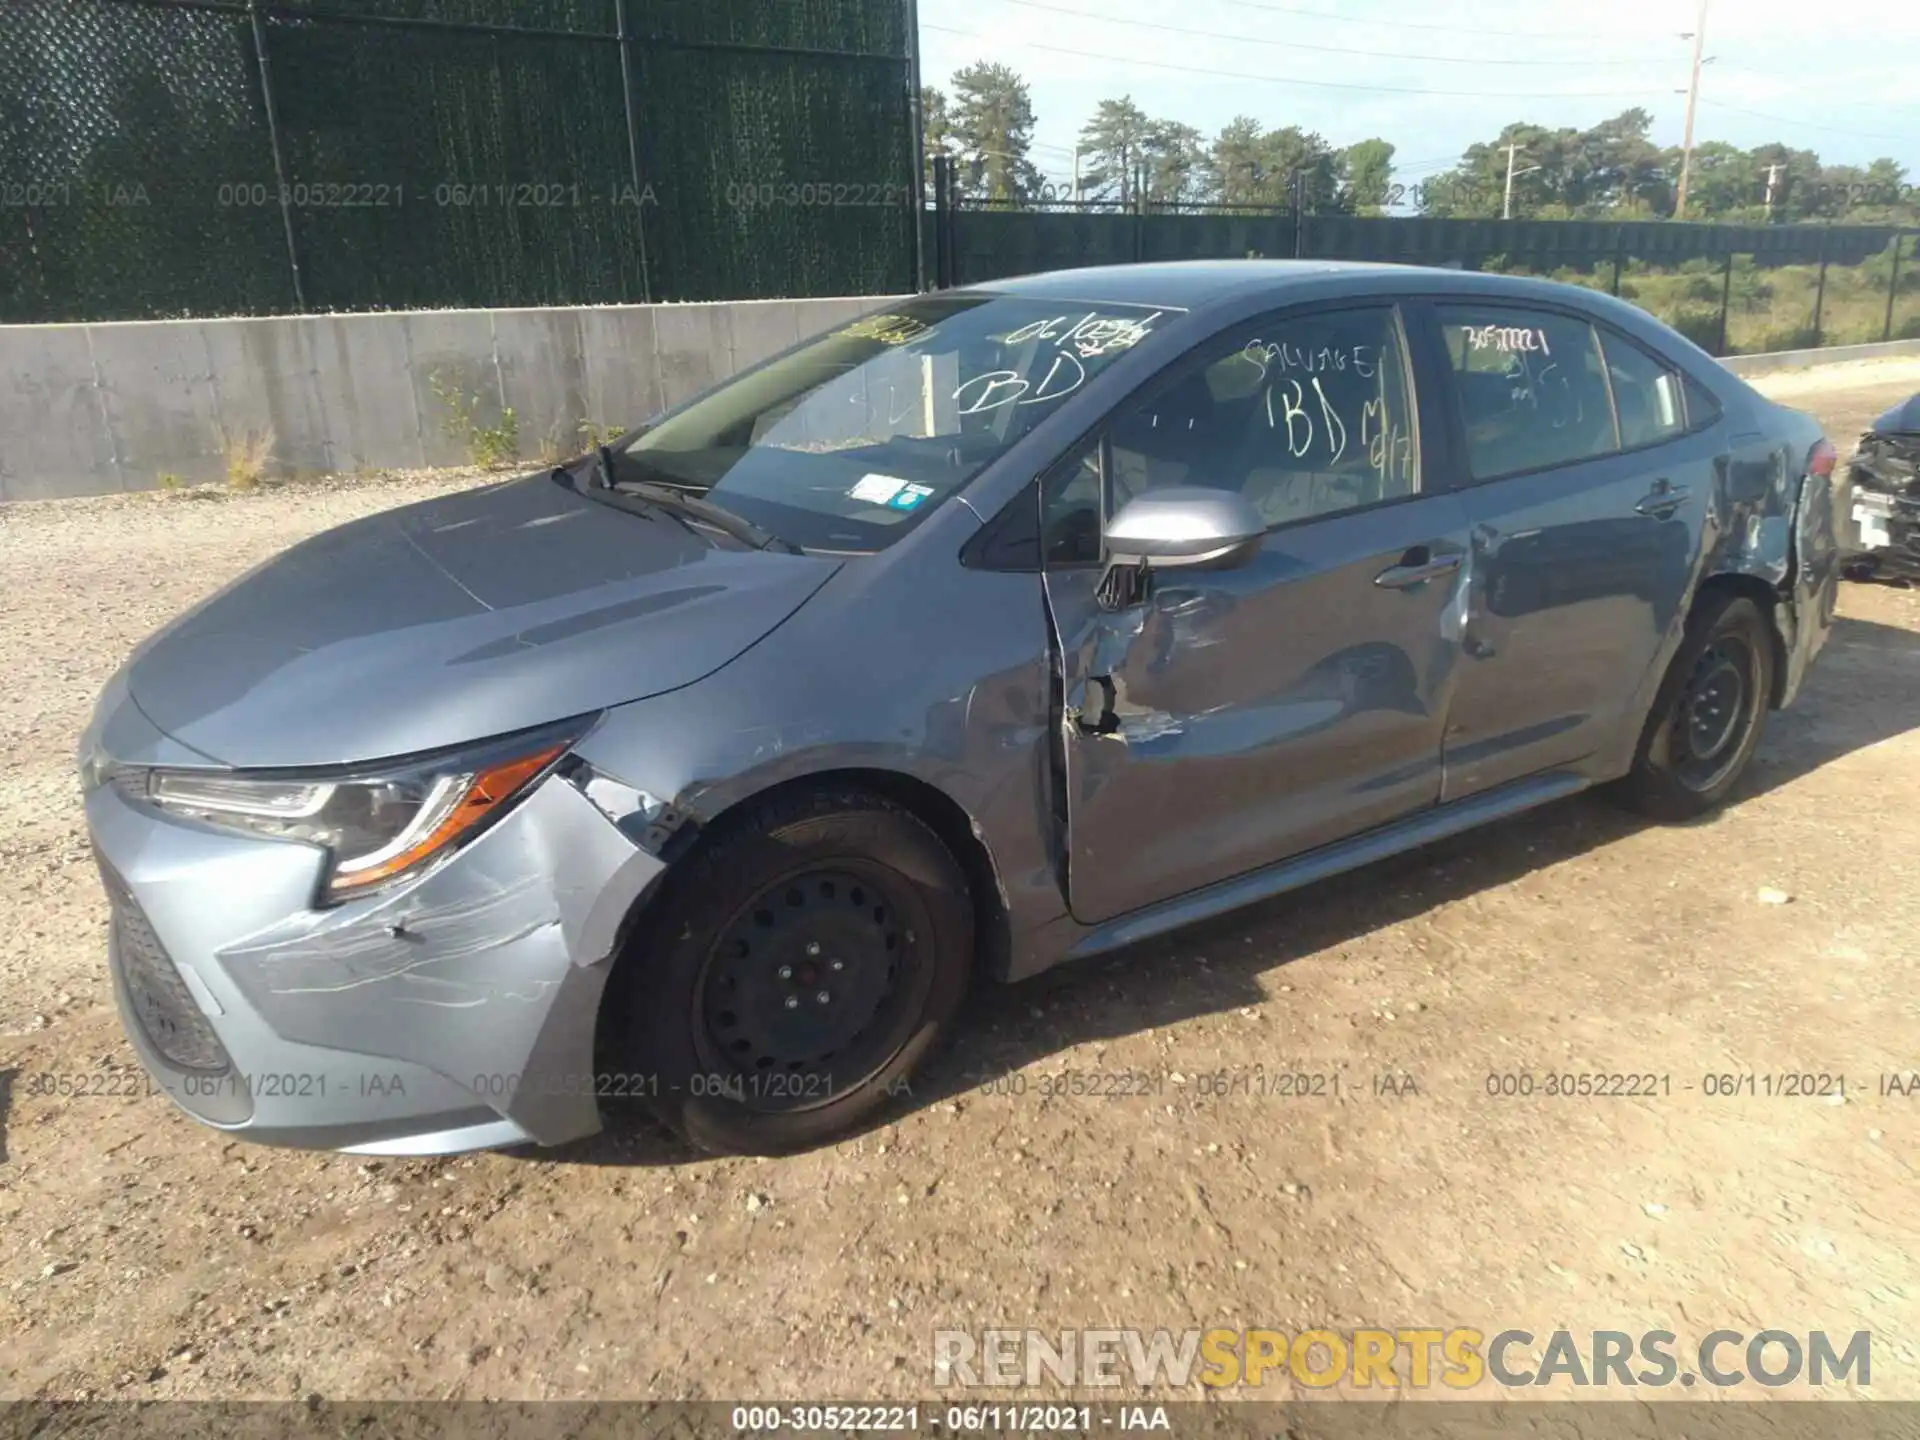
820,927
1708,713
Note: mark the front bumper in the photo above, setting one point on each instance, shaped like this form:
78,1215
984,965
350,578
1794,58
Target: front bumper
1880,532
455,1012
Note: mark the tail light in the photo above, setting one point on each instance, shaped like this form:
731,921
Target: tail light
1823,459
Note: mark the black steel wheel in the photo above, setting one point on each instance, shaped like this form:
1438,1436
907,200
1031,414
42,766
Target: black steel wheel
1708,714
794,971
1719,703
814,985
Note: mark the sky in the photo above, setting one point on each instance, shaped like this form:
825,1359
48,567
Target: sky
1848,88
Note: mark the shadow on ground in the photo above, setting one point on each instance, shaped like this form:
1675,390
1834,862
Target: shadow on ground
1865,689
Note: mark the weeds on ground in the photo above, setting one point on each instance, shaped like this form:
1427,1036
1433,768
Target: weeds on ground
245,456
591,433
488,446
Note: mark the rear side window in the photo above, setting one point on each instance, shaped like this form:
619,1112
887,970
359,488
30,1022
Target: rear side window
1531,386
1702,408
1646,394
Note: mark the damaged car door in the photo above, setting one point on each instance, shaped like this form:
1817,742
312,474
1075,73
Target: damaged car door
1588,488
1218,718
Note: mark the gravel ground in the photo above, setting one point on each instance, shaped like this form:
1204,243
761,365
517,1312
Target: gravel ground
146,1258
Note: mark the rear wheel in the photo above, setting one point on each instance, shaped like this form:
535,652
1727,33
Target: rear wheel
1707,717
794,974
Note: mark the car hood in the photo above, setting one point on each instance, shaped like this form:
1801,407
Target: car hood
1888,456
1902,419
481,613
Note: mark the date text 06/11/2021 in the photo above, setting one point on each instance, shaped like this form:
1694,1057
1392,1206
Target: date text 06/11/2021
987,1419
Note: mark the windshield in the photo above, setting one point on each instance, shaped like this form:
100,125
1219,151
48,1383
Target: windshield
846,442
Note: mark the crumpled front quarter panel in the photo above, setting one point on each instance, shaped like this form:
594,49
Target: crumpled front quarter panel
509,939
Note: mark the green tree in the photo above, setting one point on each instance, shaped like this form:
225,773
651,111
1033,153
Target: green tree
1114,141
1290,152
1617,168
1236,164
936,129
1246,165
1724,183
1176,165
1369,172
992,128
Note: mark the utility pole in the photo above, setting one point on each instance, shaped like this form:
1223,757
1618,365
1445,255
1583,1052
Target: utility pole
1506,205
1693,101
1773,179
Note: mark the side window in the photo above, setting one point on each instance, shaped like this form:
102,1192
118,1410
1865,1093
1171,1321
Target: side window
1304,415
1070,523
1646,394
1702,408
1531,388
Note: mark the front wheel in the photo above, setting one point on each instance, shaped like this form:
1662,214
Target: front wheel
793,974
1708,714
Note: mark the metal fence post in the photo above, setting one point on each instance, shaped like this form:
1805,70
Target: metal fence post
625,37
942,221
1893,285
1726,302
1298,186
273,140
1619,254
918,140
1139,212
1820,286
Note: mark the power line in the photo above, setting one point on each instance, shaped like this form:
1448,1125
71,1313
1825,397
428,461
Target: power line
1377,22
1291,44
1804,124
1312,84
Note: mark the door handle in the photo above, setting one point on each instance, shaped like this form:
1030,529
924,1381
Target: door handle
1416,567
1660,502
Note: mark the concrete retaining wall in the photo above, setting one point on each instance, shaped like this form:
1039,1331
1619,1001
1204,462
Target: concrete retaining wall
1773,360
94,409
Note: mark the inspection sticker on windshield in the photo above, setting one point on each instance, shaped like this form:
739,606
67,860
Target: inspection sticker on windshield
910,496
876,489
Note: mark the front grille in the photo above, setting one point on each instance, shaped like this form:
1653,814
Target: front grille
161,1002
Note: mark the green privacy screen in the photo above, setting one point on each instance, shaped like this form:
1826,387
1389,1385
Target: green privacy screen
411,153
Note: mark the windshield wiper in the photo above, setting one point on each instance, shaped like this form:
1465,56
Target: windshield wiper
685,505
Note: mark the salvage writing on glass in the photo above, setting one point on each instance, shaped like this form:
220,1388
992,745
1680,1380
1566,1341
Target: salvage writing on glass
1510,339
1088,335
1074,340
1328,358
1312,421
1546,390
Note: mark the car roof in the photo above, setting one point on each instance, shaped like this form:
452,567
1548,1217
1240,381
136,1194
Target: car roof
1191,284
1182,284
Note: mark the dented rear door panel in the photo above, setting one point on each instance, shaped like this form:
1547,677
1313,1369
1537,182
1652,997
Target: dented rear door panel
1577,584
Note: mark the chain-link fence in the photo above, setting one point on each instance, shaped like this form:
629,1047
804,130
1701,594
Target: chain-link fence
208,157
1731,289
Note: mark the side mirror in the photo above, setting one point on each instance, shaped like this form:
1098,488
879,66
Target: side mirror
1186,527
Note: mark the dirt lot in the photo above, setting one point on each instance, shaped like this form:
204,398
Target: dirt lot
146,1258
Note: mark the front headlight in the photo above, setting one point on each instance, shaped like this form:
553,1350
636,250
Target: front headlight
377,822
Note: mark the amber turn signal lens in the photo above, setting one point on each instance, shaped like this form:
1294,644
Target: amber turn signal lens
466,802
